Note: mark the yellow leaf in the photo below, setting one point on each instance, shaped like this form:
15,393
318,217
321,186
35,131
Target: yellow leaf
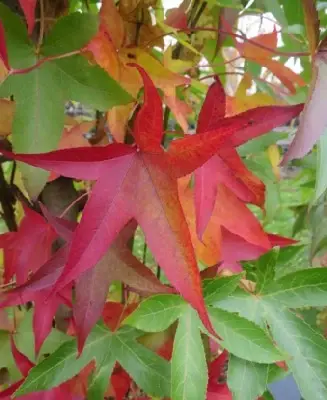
275,159
242,101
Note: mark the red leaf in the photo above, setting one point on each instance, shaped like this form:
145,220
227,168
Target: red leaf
148,126
215,389
3,47
28,248
227,167
38,290
91,288
121,382
143,186
192,151
262,120
213,108
28,6
176,17
79,163
114,313
22,362
235,249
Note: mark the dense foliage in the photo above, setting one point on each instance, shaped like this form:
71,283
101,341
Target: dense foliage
162,225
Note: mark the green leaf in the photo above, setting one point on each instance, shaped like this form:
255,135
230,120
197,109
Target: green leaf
157,313
40,94
17,41
260,144
100,378
70,33
64,363
89,84
219,287
189,372
24,339
266,269
243,338
248,380
245,304
39,120
149,371
307,349
305,288
272,201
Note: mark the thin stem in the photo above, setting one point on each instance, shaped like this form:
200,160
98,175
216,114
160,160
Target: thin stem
253,42
73,203
42,61
242,74
236,35
41,35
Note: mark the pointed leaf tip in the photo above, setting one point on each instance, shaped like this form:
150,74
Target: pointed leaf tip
148,126
213,108
3,47
28,7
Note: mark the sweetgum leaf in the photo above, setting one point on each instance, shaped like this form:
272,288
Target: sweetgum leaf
227,167
149,371
99,382
189,372
42,92
305,345
92,287
23,338
243,338
305,288
64,363
31,242
219,287
248,380
157,313
142,186
307,349
265,270
70,33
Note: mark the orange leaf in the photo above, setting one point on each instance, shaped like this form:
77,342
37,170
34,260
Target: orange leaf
264,57
7,109
117,118
241,101
113,23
